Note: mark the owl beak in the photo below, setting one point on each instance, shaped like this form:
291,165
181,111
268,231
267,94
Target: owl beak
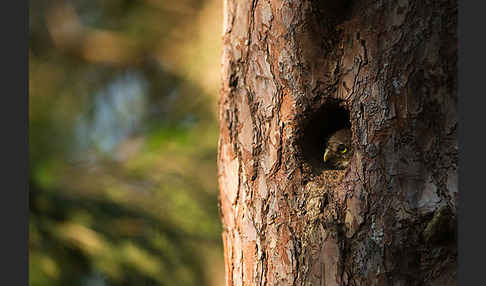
326,155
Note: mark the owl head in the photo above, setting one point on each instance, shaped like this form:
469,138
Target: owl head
338,151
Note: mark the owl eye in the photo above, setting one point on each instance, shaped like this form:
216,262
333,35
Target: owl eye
342,149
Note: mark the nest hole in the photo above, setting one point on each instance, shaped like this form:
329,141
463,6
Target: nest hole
328,119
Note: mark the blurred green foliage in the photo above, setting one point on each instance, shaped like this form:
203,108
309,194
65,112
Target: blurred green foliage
123,138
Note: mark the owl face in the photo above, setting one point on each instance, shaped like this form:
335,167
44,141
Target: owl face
338,150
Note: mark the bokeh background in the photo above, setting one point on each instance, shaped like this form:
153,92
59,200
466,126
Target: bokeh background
123,142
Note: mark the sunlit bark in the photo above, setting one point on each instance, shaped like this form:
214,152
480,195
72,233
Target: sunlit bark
293,71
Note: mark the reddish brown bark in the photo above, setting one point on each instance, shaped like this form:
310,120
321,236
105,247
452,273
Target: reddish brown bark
292,71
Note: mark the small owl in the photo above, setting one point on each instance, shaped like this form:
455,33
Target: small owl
338,151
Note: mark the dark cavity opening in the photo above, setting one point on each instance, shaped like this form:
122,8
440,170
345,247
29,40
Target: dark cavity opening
331,117
332,10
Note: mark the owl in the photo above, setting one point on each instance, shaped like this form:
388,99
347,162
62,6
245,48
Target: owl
338,150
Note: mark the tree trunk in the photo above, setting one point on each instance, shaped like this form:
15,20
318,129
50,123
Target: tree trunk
294,71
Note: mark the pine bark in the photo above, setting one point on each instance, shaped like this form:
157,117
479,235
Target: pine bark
292,71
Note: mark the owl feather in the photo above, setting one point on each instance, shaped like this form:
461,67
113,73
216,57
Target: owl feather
339,150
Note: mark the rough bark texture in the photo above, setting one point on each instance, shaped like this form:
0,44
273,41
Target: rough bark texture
293,71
